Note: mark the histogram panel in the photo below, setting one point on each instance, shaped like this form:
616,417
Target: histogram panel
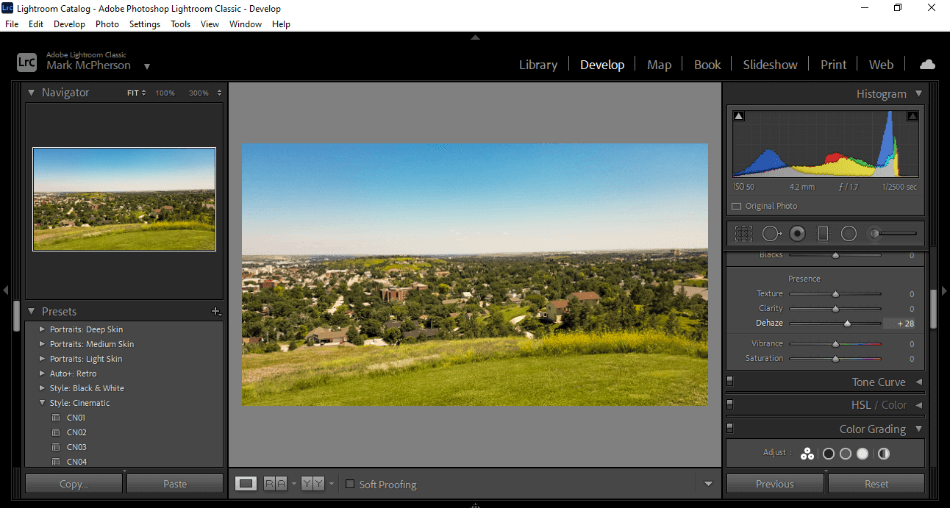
826,144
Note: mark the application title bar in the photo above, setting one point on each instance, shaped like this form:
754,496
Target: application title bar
489,16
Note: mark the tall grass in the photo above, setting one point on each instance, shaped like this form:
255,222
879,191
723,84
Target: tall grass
646,341
166,226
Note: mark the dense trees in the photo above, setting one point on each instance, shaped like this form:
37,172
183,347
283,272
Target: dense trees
531,282
96,208
393,336
372,327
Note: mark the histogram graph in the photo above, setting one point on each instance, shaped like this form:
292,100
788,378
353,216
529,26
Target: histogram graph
825,144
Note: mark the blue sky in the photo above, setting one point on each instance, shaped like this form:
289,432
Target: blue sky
122,169
472,198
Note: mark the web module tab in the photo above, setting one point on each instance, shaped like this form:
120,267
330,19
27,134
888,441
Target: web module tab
882,63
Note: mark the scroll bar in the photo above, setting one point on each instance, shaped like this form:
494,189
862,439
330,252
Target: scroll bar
16,315
933,309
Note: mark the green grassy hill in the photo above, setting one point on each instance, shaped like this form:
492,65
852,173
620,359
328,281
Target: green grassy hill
361,263
696,283
161,236
624,368
509,311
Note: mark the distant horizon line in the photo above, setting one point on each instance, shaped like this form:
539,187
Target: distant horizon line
597,251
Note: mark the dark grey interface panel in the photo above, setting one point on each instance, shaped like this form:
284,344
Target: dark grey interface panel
830,291
120,336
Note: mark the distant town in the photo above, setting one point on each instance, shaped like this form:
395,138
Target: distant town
53,210
307,301
499,274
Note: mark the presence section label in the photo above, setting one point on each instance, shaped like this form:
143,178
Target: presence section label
826,317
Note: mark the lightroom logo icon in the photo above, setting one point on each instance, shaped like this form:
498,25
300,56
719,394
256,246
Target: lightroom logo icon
26,62
8,7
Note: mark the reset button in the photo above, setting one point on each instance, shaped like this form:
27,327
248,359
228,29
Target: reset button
876,483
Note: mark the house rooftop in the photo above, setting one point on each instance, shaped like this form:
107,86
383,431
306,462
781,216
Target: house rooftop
316,331
333,335
586,295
